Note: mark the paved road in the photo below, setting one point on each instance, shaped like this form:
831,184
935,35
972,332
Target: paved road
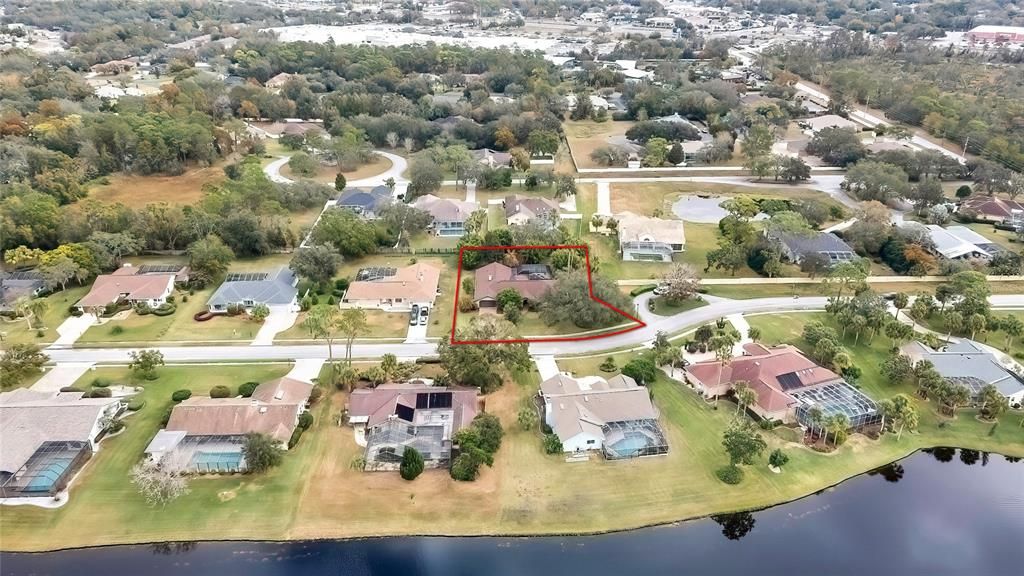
717,308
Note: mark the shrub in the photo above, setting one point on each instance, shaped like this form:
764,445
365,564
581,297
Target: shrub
552,444
180,395
465,468
246,390
642,290
114,426
165,310
184,298
331,301
608,365
777,458
641,369
341,284
136,404
100,393
170,299
412,464
305,420
296,434
117,330
768,424
167,416
143,309
220,391
730,474
100,383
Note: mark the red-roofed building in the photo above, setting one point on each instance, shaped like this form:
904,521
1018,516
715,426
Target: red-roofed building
532,281
990,208
771,372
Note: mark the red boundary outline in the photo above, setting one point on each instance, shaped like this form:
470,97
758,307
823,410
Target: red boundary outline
590,288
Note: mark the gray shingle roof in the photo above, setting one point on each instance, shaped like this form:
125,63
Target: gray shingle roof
369,199
821,242
278,288
966,359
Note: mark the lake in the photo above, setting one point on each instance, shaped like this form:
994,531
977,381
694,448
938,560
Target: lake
939,512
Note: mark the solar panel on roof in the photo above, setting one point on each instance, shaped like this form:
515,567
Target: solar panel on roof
440,399
246,277
404,412
158,268
790,380
375,273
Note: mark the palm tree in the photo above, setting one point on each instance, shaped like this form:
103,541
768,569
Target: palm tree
745,396
975,322
954,322
722,345
815,416
859,323
899,302
1013,328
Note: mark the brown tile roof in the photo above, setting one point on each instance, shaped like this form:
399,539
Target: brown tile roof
233,416
761,368
588,403
109,287
495,277
378,404
417,283
991,206
532,207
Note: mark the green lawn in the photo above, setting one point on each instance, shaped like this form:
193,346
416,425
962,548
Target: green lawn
178,327
663,307
57,305
380,324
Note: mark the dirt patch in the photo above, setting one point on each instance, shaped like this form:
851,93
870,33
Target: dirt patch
585,137
137,191
226,495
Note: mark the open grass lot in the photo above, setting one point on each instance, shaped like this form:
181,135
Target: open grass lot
326,174
136,191
646,197
532,324
1004,238
57,304
380,325
585,136
315,493
757,290
483,197
177,327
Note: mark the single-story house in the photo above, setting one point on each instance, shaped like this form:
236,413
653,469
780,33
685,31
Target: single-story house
819,123
18,284
291,127
278,81
968,363
393,289
276,290
417,414
961,243
596,102
47,438
991,208
532,281
366,202
643,238
615,416
128,284
491,158
520,210
787,384
449,215
796,247
208,434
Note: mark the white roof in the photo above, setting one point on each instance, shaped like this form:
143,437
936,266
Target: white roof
992,29
949,245
829,121
967,235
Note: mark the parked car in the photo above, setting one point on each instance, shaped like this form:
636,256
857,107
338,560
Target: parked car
424,314
660,290
414,315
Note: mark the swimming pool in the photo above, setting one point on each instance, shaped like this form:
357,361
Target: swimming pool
630,444
46,476
217,461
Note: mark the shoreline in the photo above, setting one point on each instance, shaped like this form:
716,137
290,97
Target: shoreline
507,535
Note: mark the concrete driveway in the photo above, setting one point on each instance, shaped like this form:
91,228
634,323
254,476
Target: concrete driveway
417,334
72,329
306,369
281,318
61,375
546,366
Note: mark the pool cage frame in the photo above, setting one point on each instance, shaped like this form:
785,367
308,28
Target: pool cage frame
650,428
37,466
183,457
386,442
836,398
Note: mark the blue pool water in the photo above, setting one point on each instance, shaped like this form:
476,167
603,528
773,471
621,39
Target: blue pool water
48,475
630,444
217,461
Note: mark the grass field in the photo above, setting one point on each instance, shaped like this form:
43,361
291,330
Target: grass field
326,174
585,136
742,292
645,198
136,191
663,307
315,493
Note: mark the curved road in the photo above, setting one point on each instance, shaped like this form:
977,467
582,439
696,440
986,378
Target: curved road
398,167
717,308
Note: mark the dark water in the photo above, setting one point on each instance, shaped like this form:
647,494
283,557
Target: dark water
943,512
